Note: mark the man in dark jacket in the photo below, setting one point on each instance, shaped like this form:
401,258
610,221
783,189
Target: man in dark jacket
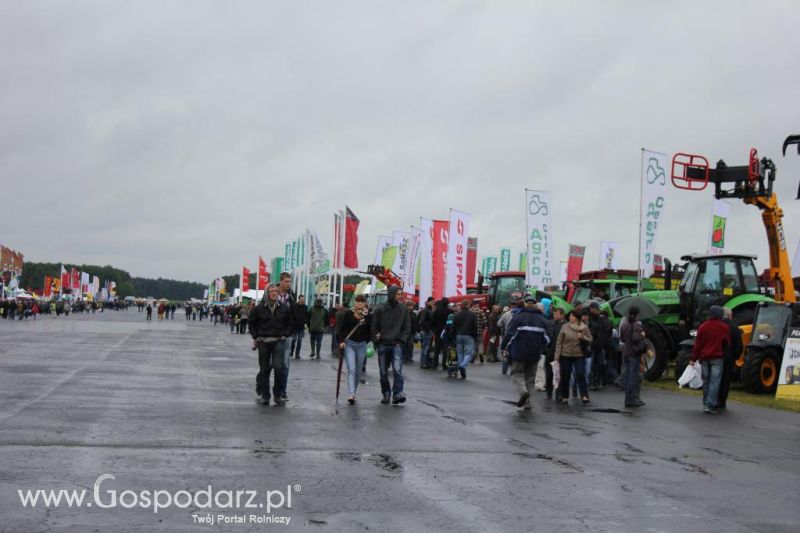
713,338
494,333
300,314
317,323
466,326
600,328
270,324
390,329
408,347
286,297
527,333
732,353
438,322
425,324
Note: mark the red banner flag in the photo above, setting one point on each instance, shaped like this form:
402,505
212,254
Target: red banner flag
64,278
76,280
575,262
472,258
48,286
263,275
351,240
441,229
245,279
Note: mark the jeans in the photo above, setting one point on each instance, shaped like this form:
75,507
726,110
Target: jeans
465,347
355,354
242,326
286,356
632,377
391,354
568,364
270,356
712,375
297,342
316,342
425,353
598,376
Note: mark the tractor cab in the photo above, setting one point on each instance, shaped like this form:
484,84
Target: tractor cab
504,287
772,322
716,280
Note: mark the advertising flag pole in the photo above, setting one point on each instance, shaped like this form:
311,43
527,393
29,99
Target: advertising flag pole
641,199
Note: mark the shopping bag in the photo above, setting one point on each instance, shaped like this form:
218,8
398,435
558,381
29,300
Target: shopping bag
692,377
556,373
370,349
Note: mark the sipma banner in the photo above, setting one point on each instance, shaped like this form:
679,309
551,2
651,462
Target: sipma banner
575,262
456,272
540,266
654,191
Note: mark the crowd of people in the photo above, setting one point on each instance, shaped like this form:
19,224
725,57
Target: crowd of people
29,308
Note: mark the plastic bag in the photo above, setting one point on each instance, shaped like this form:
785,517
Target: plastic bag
370,349
692,377
556,374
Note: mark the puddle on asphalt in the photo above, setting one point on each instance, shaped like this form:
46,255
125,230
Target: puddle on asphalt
384,461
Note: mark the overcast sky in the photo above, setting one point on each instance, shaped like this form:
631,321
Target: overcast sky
183,139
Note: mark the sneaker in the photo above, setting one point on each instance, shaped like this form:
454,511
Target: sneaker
635,404
585,400
280,401
709,410
284,398
351,400
549,396
317,358
363,381
463,372
263,399
386,397
399,398
297,357
523,398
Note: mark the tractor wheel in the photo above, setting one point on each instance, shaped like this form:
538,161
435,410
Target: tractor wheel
760,371
682,361
657,356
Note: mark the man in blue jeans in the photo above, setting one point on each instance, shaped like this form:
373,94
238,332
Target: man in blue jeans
270,323
713,338
466,325
390,329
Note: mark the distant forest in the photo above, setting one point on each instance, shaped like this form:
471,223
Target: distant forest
33,277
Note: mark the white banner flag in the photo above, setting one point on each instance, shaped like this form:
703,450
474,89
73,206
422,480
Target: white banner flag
456,273
410,274
562,271
426,260
654,191
608,255
400,239
719,220
540,266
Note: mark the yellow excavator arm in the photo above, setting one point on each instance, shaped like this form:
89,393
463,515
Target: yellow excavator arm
780,269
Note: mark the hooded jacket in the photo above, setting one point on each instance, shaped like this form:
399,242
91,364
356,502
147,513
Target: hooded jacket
317,318
266,322
392,322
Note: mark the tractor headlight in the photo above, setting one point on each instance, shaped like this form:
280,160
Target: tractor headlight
693,333
763,336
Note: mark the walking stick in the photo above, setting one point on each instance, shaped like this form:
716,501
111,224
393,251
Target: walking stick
339,378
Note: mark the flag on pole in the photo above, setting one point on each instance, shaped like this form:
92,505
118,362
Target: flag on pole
64,278
540,265
439,263
720,210
245,280
608,255
351,240
575,263
456,271
654,190
263,275
426,260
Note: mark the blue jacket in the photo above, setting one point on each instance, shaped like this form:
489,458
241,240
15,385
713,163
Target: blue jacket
527,335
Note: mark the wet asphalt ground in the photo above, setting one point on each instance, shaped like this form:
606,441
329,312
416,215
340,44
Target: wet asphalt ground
169,406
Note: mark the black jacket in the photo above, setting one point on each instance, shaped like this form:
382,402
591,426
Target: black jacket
300,315
465,323
600,327
735,349
266,323
392,322
425,320
347,322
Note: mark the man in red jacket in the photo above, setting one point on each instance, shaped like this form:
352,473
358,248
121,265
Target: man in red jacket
713,337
